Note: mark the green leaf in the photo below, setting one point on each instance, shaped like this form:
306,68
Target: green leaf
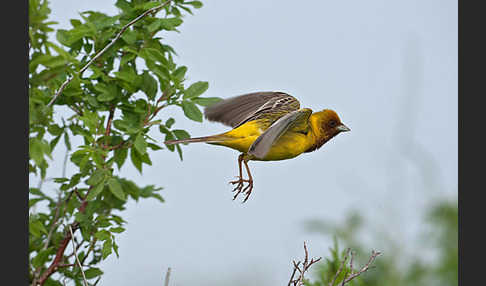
54,142
117,229
145,158
165,23
140,144
196,89
169,122
150,192
96,178
106,250
195,4
120,156
115,248
41,257
170,23
180,72
179,151
116,188
160,71
37,149
206,101
107,92
71,37
149,85
102,235
124,6
153,146
96,191
36,228
153,55
55,130
127,58
147,5
136,161
181,134
66,141
154,26
34,201
169,136
131,188
127,74
192,111
92,273
60,180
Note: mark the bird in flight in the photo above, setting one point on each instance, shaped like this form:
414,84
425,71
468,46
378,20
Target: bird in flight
267,126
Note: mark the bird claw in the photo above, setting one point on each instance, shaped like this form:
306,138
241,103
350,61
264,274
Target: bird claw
239,188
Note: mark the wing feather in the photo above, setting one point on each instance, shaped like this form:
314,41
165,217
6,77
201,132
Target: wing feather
237,110
294,120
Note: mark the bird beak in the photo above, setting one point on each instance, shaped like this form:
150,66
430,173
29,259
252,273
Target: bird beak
343,128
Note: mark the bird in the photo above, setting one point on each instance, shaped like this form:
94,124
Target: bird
267,126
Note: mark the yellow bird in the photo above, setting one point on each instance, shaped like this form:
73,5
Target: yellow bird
268,126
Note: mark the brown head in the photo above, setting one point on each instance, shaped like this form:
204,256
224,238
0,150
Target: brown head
325,125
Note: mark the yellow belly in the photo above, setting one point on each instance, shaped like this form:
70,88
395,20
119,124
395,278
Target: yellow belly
290,145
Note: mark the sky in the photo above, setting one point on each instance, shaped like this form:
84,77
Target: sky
388,68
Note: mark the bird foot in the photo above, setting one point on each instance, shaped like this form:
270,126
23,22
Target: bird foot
239,188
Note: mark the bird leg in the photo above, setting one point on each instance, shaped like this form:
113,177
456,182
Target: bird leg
240,182
249,187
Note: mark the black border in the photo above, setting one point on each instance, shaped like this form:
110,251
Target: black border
15,142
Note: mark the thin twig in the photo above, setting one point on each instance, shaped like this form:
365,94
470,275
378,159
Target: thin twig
167,276
154,9
54,265
91,248
62,247
305,266
164,96
363,269
51,230
110,120
296,266
340,269
76,255
351,261
65,265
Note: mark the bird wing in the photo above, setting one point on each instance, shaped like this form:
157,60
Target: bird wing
295,121
237,110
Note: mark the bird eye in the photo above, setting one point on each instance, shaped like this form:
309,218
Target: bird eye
332,123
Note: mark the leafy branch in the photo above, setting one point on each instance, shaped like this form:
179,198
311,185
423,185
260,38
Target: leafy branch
301,267
98,54
112,117
351,274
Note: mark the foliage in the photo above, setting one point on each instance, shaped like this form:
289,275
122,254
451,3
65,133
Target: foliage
394,267
111,108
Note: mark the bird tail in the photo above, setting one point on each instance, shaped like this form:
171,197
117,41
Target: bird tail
207,139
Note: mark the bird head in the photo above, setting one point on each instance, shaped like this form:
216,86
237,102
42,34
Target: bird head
327,124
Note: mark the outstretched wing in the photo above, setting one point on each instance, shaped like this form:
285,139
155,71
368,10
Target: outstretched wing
296,120
237,110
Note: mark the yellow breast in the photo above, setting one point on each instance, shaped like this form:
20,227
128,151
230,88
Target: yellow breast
290,145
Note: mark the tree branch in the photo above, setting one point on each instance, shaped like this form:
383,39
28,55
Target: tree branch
62,247
351,275
97,55
365,268
76,256
167,276
340,269
305,266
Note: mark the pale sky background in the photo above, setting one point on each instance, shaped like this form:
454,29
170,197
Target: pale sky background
389,68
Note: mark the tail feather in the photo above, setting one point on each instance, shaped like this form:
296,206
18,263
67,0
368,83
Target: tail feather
207,139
